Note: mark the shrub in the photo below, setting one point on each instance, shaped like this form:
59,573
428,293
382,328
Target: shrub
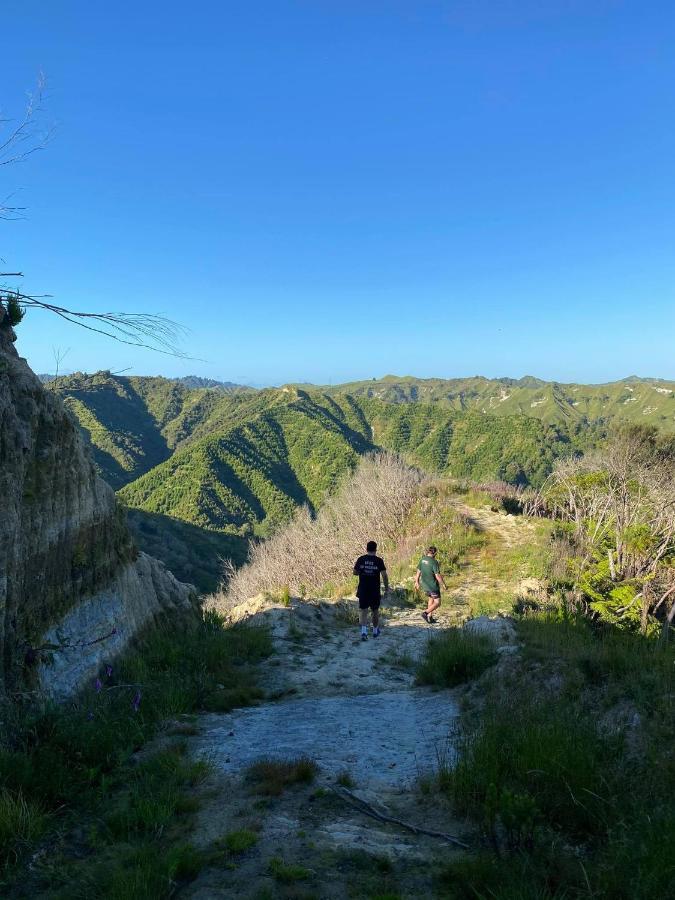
373,502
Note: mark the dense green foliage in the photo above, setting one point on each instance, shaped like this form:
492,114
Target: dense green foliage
242,462
615,511
255,474
75,767
193,554
239,461
648,401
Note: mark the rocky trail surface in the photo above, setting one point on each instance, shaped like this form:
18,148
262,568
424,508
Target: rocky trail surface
352,708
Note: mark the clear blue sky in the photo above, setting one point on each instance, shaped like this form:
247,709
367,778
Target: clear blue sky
335,189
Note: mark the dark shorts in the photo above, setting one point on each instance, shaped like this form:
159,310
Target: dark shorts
435,595
369,602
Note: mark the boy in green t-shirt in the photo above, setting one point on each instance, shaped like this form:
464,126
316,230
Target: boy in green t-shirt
428,577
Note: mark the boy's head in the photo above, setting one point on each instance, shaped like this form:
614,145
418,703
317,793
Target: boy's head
371,546
432,551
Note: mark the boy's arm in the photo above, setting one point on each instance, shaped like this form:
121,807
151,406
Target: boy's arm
439,578
417,579
385,581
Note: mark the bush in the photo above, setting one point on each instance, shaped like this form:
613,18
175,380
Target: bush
454,657
373,502
14,312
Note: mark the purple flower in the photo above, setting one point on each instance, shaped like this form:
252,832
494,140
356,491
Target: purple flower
98,684
137,701
108,671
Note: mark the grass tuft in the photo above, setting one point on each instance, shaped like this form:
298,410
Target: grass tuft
271,777
236,842
287,874
455,656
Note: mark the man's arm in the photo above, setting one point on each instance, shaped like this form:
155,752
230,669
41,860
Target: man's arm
417,579
439,579
385,581
357,570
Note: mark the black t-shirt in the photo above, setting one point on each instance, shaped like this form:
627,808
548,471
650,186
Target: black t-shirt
368,569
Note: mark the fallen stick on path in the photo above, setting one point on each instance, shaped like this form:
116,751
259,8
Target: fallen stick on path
368,810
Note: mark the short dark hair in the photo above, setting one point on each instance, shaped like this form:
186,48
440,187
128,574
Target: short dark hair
371,546
432,549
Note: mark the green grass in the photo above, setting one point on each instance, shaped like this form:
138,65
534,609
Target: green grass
455,656
238,842
271,777
287,874
568,769
22,824
345,779
64,767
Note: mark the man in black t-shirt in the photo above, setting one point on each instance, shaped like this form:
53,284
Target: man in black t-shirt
368,568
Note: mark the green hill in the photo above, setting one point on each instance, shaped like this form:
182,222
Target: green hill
134,423
296,446
201,468
647,401
254,475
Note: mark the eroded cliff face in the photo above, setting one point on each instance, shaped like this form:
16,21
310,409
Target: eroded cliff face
73,588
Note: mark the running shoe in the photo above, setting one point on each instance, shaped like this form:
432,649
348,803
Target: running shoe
364,637
376,632
431,620
425,617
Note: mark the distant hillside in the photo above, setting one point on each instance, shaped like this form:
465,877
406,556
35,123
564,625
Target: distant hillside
295,446
255,474
648,401
203,468
195,381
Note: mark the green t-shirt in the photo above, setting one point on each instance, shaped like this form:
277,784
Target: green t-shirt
428,568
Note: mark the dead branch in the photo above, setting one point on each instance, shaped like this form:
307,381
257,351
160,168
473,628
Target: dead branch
368,810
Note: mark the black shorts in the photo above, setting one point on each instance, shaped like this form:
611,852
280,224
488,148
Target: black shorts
435,595
369,602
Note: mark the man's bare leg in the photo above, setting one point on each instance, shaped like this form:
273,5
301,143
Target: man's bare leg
363,622
432,605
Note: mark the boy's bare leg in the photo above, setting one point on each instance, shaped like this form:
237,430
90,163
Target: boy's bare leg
376,618
432,606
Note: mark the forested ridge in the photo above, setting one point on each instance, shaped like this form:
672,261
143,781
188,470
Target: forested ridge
231,462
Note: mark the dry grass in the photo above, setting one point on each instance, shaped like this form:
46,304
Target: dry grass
313,552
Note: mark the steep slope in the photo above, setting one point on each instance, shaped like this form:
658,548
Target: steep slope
468,445
301,444
134,423
72,584
257,473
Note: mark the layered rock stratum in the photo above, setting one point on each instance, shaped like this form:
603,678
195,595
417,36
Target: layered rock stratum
74,589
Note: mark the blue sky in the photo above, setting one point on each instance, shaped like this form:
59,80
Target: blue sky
325,190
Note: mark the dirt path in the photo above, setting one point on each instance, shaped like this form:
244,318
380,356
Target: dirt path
353,708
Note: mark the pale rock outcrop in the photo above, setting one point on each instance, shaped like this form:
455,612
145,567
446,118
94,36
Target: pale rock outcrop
68,566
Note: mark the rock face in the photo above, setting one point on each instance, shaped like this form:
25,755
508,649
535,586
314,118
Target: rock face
69,571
